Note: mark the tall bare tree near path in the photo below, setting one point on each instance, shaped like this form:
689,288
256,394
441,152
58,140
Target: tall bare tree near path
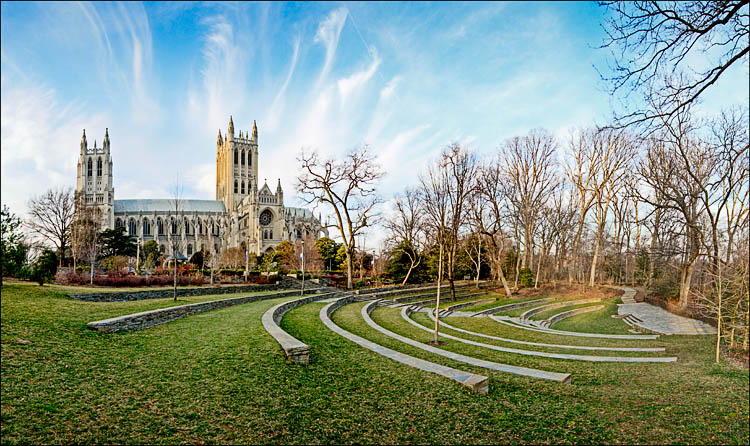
348,186
50,217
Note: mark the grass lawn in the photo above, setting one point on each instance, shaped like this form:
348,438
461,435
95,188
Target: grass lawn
218,377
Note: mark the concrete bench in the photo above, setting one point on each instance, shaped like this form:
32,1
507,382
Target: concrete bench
528,314
590,358
146,319
476,383
517,323
294,349
513,306
534,373
565,314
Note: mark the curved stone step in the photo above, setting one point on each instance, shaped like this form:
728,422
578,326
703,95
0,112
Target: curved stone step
523,326
513,306
566,314
539,344
294,349
146,319
574,357
524,371
477,383
528,314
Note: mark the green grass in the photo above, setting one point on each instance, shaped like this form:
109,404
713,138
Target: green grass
218,377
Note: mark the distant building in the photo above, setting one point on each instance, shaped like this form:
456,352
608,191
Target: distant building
243,215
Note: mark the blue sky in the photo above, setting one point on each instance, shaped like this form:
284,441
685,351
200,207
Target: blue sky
406,79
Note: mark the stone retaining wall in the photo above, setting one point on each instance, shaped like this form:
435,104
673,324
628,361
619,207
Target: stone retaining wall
560,316
122,296
514,306
146,319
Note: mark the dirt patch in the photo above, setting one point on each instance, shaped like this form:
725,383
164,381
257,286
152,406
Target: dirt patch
568,291
741,360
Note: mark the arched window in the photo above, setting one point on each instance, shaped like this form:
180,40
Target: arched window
99,167
174,227
118,223
187,227
242,158
131,227
235,186
235,156
200,227
265,235
190,249
249,158
160,226
270,234
146,227
243,186
162,249
90,169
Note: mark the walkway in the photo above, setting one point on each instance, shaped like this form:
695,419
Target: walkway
659,320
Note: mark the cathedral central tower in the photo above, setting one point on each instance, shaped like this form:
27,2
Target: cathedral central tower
236,166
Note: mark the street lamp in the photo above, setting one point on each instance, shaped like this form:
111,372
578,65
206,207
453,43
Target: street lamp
302,258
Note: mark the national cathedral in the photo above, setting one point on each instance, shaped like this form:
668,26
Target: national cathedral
244,214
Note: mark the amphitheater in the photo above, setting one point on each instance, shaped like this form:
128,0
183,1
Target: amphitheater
529,328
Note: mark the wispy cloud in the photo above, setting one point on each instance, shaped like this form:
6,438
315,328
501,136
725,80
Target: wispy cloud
328,34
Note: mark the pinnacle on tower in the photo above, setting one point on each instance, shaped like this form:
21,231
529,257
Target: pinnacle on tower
278,186
219,141
106,138
94,144
231,127
255,131
84,143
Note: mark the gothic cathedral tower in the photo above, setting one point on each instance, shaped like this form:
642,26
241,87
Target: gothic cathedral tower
236,167
94,179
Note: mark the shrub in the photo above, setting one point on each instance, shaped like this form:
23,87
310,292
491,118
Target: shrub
45,268
526,277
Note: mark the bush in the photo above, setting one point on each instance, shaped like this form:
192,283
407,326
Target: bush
45,268
526,277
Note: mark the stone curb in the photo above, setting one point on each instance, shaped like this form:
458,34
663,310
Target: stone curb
523,371
528,314
294,349
539,344
146,319
566,314
476,383
574,357
513,306
521,325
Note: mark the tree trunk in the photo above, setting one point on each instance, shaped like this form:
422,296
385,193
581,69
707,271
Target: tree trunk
349,284
479,261
437,301
686,274
174,294
505,282
593,262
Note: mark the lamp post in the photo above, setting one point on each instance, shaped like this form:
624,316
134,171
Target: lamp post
302,258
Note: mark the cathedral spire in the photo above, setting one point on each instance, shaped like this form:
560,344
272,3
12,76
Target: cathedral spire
219,141
84,143
255,132
106,139
231,128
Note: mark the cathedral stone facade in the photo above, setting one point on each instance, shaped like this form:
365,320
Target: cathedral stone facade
244,214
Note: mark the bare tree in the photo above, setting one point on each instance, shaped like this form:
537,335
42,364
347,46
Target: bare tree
348,186
652,41
461,167
435,188
85,230
615,152
407,229
529,170
178,226
487,213
50,217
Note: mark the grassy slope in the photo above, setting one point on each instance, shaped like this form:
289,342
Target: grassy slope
218,377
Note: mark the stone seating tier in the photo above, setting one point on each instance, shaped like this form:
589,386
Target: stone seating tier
476,383
146,319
